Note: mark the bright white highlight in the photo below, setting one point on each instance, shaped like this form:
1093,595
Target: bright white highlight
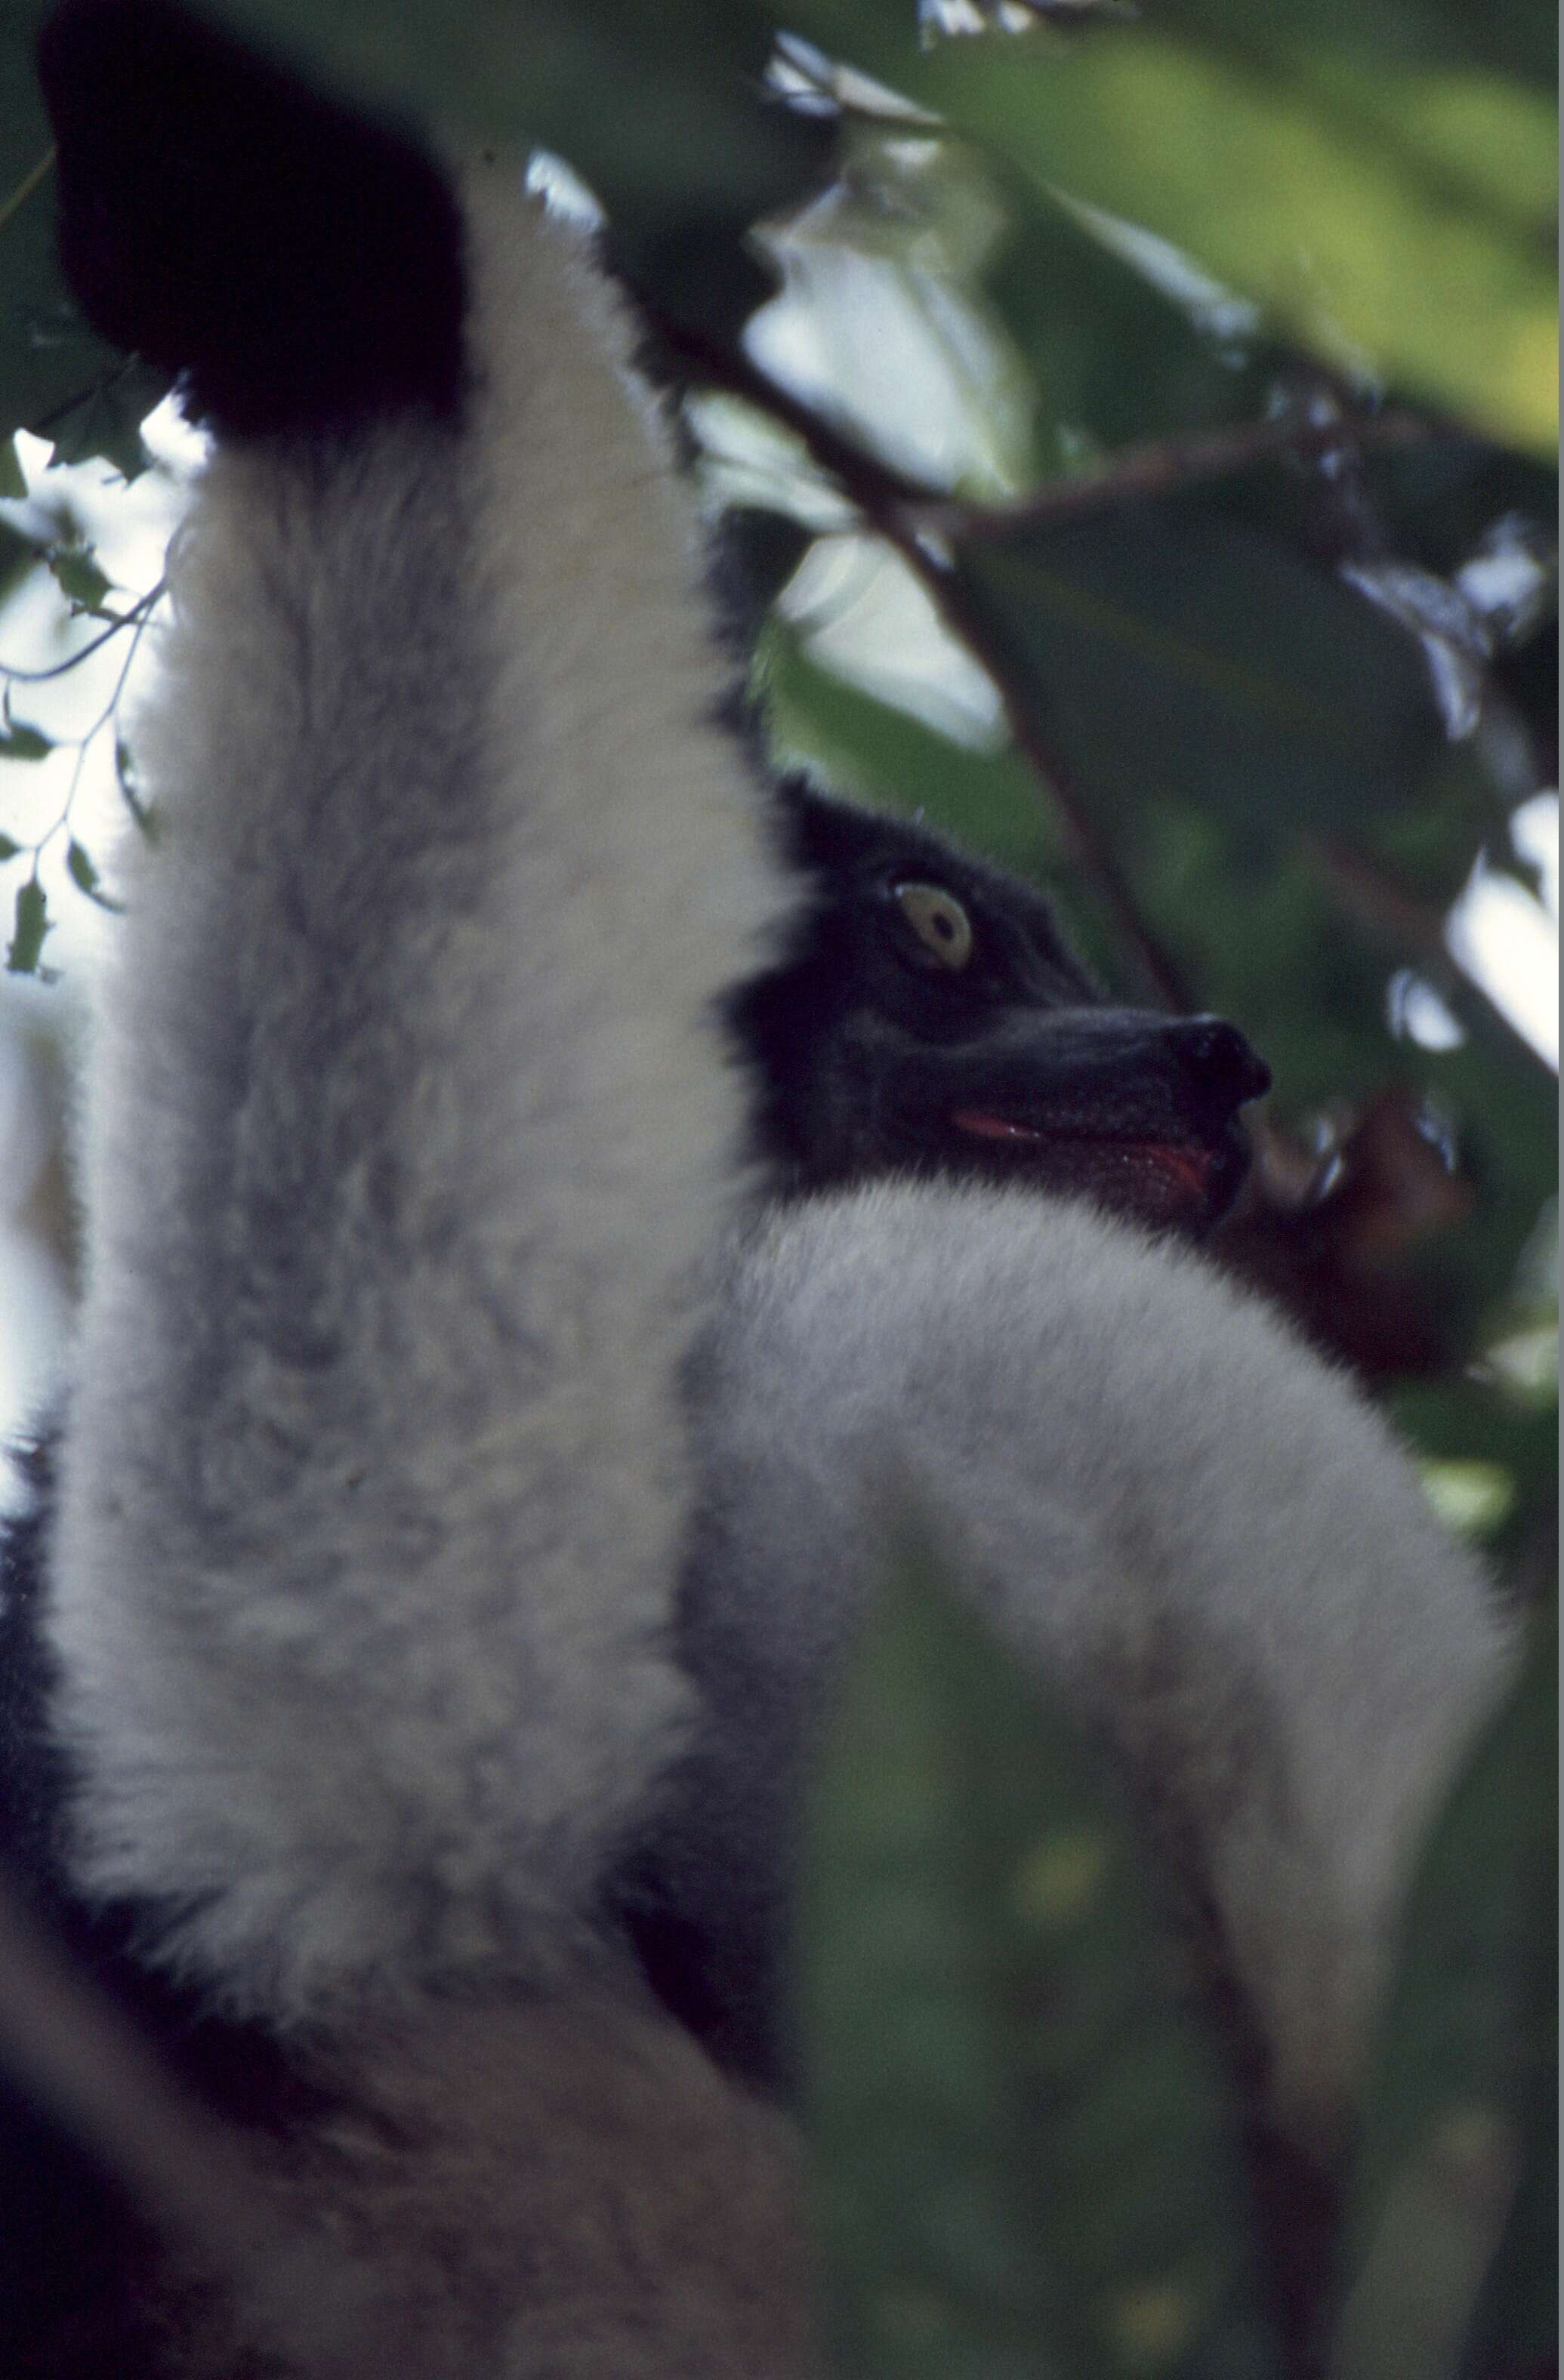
1507,940
863,615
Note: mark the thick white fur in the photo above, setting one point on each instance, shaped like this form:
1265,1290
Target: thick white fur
1163,1500
407,1128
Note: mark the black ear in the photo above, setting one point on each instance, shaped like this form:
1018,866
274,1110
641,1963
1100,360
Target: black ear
299,267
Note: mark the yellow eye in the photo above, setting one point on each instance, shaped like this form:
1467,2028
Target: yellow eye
939,922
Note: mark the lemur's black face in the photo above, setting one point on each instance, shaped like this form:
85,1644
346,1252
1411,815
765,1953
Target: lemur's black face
927,1018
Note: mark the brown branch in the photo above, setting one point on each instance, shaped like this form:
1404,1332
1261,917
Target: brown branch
920,521
959,615
1163,465
895,504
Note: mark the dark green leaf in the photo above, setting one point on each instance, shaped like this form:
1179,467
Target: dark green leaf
84,874
32,925
103,416
78,576
18,556
1172,653
1115,359
19,742
886,757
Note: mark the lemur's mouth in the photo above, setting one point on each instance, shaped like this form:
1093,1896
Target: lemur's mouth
1160,1180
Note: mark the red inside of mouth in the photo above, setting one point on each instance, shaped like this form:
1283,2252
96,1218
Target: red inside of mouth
1190,1167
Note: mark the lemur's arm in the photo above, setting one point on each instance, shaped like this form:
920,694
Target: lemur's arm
407,1124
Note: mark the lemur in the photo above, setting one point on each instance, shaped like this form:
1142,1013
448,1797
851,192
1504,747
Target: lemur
486,1376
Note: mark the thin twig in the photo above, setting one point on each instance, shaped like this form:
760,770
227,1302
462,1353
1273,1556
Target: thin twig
1018,702
1161,466
136,617
895,504
27,185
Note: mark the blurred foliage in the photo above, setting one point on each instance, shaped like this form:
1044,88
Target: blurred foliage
1028,2164
1027,2160
1458,2157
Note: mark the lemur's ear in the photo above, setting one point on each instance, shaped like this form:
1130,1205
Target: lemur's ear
298,265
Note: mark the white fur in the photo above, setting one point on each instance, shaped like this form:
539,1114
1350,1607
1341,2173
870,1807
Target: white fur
1162,1499
408,1130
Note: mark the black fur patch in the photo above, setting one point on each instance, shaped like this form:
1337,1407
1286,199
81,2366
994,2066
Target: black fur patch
298,267
74,2256
873,1058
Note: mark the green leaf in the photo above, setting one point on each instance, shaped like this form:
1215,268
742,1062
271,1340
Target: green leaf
32,925
1456,2202
1510,37
1025,2160
1171,652
9,850
13,482
84,874
103,416
78,577
1115,359
18,556
19,742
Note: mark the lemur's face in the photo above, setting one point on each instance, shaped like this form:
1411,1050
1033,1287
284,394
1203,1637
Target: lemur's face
930,1019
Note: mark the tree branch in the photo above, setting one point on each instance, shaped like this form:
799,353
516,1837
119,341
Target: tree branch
922,522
